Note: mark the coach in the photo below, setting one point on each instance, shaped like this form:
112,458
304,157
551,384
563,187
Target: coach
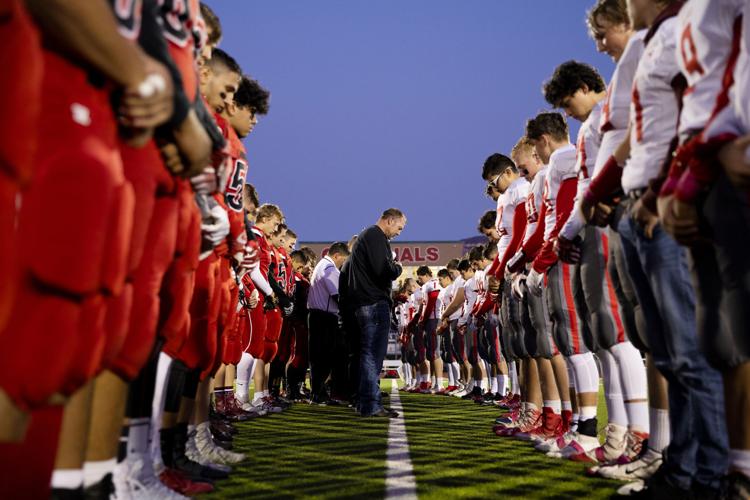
323,322
370,279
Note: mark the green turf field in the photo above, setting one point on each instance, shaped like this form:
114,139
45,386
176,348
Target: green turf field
329,452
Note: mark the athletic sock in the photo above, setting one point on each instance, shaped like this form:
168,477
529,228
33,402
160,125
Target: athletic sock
483,385
138,436
658,438
502,383
739,460
456,370
163,376
259,395
451,377
93,472
493,385
470,385
586,412
67,479
634,383
553,405
616,413
439,382
513,375
244,371
638,416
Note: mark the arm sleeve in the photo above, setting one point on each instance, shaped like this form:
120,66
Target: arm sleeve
260,281
519,227
563,206
534,241
606,182
495,268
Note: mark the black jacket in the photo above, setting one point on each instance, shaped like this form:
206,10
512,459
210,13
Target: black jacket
371,269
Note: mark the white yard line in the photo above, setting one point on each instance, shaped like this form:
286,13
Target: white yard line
399,477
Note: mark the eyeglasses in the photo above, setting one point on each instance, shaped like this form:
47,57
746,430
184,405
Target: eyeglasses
493,182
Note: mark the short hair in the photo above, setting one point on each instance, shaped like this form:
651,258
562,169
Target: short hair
523,145
338,248
424,271
569,78
291,234
497,164
219,58
452,264
487,221
464,265
299,256
489,251
476,253
250,194
352,241
312,257
251,95
280,230
443,273
550,123
212,22
614,11
268,210
392,213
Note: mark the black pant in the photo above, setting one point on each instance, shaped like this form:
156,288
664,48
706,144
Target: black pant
323,331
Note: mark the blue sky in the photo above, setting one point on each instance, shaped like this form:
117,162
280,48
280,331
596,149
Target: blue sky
378,103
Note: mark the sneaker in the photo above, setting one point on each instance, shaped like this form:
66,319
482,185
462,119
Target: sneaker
425,388
175,480
581,444
631,489
613,447
208,451
191,451
641,469
249,408
134,478
265,405
636,444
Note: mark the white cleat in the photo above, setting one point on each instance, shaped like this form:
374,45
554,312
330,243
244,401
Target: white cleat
191,451
135,479
210,451
631,489
555,444
638,470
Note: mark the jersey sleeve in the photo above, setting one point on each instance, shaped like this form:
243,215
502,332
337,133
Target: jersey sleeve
563,206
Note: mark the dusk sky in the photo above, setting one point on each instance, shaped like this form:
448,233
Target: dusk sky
379,103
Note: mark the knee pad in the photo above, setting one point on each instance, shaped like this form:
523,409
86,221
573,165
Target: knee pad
117,321
27,341
95,215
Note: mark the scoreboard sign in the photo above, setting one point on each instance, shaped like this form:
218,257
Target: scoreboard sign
413,253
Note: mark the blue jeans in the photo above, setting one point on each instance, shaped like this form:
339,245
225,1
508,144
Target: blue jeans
661,277
374,323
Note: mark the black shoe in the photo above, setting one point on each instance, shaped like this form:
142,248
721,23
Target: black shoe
102,490
659,487
737,486
384,413
221,435
66,494
227,445
317,400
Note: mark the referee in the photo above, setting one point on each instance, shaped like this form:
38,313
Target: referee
322,320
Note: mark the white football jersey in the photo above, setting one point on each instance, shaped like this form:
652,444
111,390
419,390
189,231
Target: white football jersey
457,283
704,37
587,149
442,301
653,110
431,286
735,118
471,292
534,202
562,166
616,109
514,196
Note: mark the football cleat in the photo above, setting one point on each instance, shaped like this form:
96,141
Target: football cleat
134,478
613,447
208,451
640,469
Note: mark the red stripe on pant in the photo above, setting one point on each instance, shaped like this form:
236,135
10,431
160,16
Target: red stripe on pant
613,304
575,333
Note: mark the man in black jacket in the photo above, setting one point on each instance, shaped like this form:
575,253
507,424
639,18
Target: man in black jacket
371,272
